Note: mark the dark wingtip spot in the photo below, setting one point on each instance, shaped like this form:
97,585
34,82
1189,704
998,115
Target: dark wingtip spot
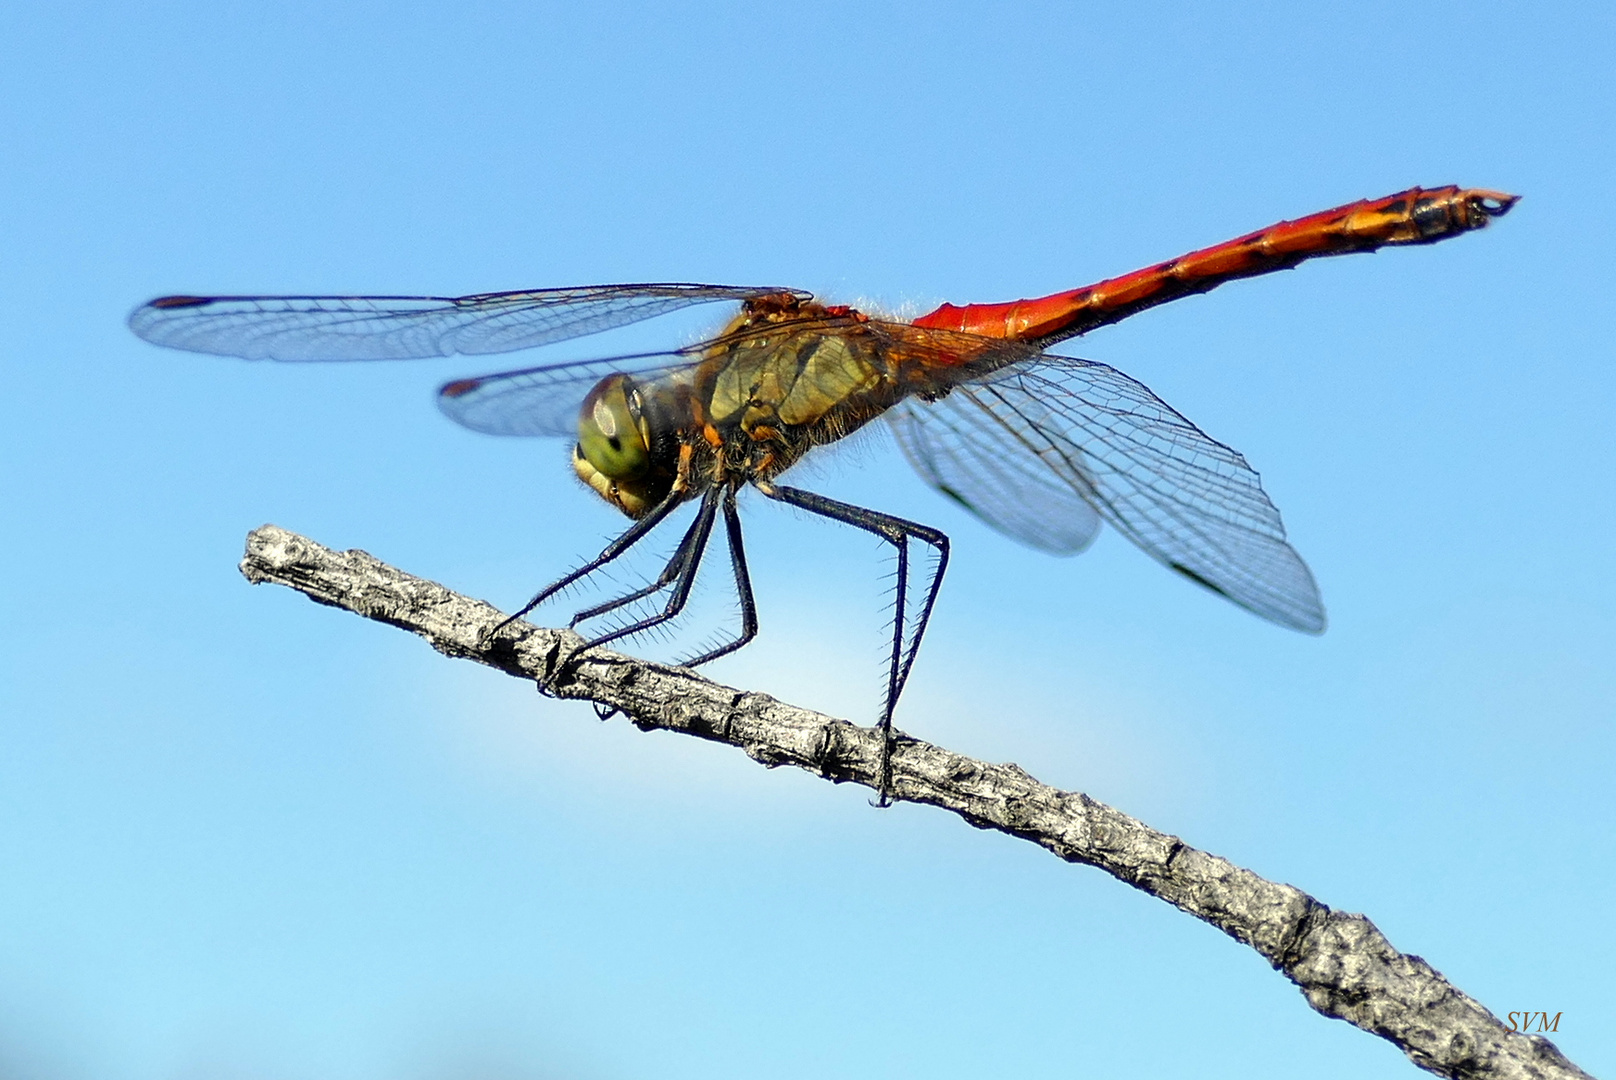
956,496
1197,578
180,301
459,388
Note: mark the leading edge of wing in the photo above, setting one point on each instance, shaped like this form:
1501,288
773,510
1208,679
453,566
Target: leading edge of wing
335,328
545,400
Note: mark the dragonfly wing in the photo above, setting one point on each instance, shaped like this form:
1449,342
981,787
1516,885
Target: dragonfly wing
989,468
308,328
545,400
1190,502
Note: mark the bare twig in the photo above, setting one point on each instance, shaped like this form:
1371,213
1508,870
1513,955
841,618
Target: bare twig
1344,966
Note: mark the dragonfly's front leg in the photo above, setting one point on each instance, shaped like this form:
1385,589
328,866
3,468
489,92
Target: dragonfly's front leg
897,532
670,574
633,535
679,572
688,560
636,532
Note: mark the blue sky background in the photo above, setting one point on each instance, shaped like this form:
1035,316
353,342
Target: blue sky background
244,836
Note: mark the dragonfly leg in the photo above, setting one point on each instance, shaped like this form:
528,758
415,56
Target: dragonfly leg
897,532
632,536
670,574
662,582
743,586
689,559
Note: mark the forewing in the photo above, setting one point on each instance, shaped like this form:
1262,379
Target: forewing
1189,501
311,328
545,400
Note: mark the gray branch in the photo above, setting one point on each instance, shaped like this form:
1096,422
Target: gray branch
1344,966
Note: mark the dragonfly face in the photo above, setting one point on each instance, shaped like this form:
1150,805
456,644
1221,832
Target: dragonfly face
1042,447
618,454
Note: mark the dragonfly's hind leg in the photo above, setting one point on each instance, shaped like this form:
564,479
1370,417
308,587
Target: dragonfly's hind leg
897,532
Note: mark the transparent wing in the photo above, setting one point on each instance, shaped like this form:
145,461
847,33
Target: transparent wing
545,400
1190,502
307,328
989,469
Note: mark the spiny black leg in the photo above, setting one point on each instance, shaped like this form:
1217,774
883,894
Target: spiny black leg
895,531
894,685
743,587
630,537
700,530
669,574
939,543
900,596
889,528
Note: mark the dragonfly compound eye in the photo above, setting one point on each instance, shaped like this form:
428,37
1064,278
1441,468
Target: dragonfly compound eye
613,454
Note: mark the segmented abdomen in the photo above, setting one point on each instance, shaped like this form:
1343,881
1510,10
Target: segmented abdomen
1415,216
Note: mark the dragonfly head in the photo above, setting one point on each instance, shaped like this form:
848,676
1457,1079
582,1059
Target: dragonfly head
614,454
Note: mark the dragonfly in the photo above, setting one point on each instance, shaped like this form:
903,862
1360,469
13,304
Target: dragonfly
1041,446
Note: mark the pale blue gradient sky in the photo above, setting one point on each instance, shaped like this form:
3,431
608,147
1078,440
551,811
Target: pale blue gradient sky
244,836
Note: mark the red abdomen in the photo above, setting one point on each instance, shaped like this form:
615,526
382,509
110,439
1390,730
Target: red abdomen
1415,216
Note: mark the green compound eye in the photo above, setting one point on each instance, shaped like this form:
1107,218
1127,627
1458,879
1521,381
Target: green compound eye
609,433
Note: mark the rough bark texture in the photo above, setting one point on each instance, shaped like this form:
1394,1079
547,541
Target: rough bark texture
1344,966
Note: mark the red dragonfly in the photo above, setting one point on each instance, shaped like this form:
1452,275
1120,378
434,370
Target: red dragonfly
1040,446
